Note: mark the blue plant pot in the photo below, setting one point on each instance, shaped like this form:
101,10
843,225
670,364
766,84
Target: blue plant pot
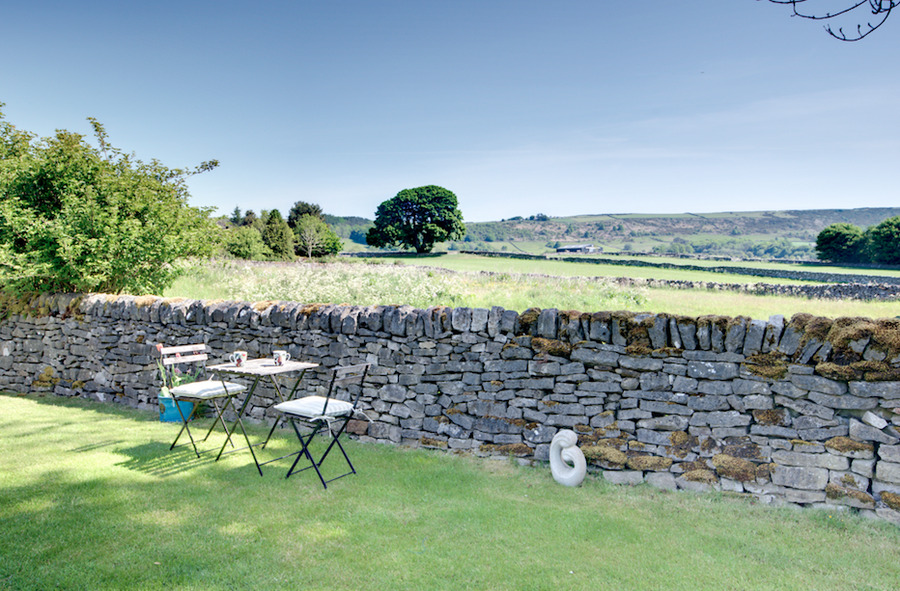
169,414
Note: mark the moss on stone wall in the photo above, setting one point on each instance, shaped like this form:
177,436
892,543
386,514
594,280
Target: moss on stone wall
847,445
734,468
648,463
528,319
704,476
870,371
892,500
604,455
551,347
771,366
512,449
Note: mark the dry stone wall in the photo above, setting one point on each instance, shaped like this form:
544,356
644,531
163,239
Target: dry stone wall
803,411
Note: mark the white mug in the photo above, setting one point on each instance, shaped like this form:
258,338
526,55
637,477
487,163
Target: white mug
281,357
238,358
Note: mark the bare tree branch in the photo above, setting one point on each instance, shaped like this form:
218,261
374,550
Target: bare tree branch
820,10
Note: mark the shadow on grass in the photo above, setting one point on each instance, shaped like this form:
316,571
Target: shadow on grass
156,459
95,446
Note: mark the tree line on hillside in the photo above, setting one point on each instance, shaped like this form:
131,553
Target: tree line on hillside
847,243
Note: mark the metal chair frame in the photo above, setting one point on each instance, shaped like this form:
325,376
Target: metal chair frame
341,377
197,356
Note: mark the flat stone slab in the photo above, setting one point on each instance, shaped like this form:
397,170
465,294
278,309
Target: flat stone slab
631,477
801,478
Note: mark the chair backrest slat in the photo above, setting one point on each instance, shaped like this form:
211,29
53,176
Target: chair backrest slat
179,349
184,359
344,376
183,354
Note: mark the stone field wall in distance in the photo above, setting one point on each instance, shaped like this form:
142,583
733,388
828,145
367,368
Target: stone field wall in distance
802,411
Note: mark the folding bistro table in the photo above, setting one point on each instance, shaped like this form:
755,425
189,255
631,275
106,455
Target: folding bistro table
258,369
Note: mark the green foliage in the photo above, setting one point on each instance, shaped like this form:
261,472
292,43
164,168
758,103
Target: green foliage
245,242
884,242
78,218
250,218
314,238
277,236
300,209
417,218
840,243
350,227
846,243
358,236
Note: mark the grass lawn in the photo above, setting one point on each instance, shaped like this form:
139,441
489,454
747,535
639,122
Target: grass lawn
91,498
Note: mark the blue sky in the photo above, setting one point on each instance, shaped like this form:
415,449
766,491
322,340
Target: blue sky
518,107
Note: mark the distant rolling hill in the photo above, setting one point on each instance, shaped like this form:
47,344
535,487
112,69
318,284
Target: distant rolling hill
789,233
766,234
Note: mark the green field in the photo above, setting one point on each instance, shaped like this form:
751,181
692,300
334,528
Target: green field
551,266
92,499
804,267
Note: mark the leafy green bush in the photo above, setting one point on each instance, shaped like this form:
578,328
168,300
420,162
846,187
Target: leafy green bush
245,242
884,242
78,218
841,243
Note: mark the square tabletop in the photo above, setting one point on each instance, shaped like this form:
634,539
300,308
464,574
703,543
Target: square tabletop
262,367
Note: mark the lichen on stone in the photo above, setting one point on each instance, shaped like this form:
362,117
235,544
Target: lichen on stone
638,350
734,468
551,347
769,417
869,371
892,500
704,476
772,365
847,445
310,309
648,463
45,379
436,443
513,449
835,492
604,454
263,306
528,318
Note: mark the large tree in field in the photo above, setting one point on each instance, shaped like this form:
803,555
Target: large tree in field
74,217
841,243
884,241
417,218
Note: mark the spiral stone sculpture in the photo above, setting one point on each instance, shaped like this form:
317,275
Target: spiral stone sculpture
566,460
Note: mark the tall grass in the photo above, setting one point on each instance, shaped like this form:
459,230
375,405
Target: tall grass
372,284
360,283
91,498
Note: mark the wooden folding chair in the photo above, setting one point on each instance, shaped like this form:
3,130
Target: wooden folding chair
328,414
174,360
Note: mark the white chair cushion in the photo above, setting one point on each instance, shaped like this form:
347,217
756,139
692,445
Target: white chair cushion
311,406
206,389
